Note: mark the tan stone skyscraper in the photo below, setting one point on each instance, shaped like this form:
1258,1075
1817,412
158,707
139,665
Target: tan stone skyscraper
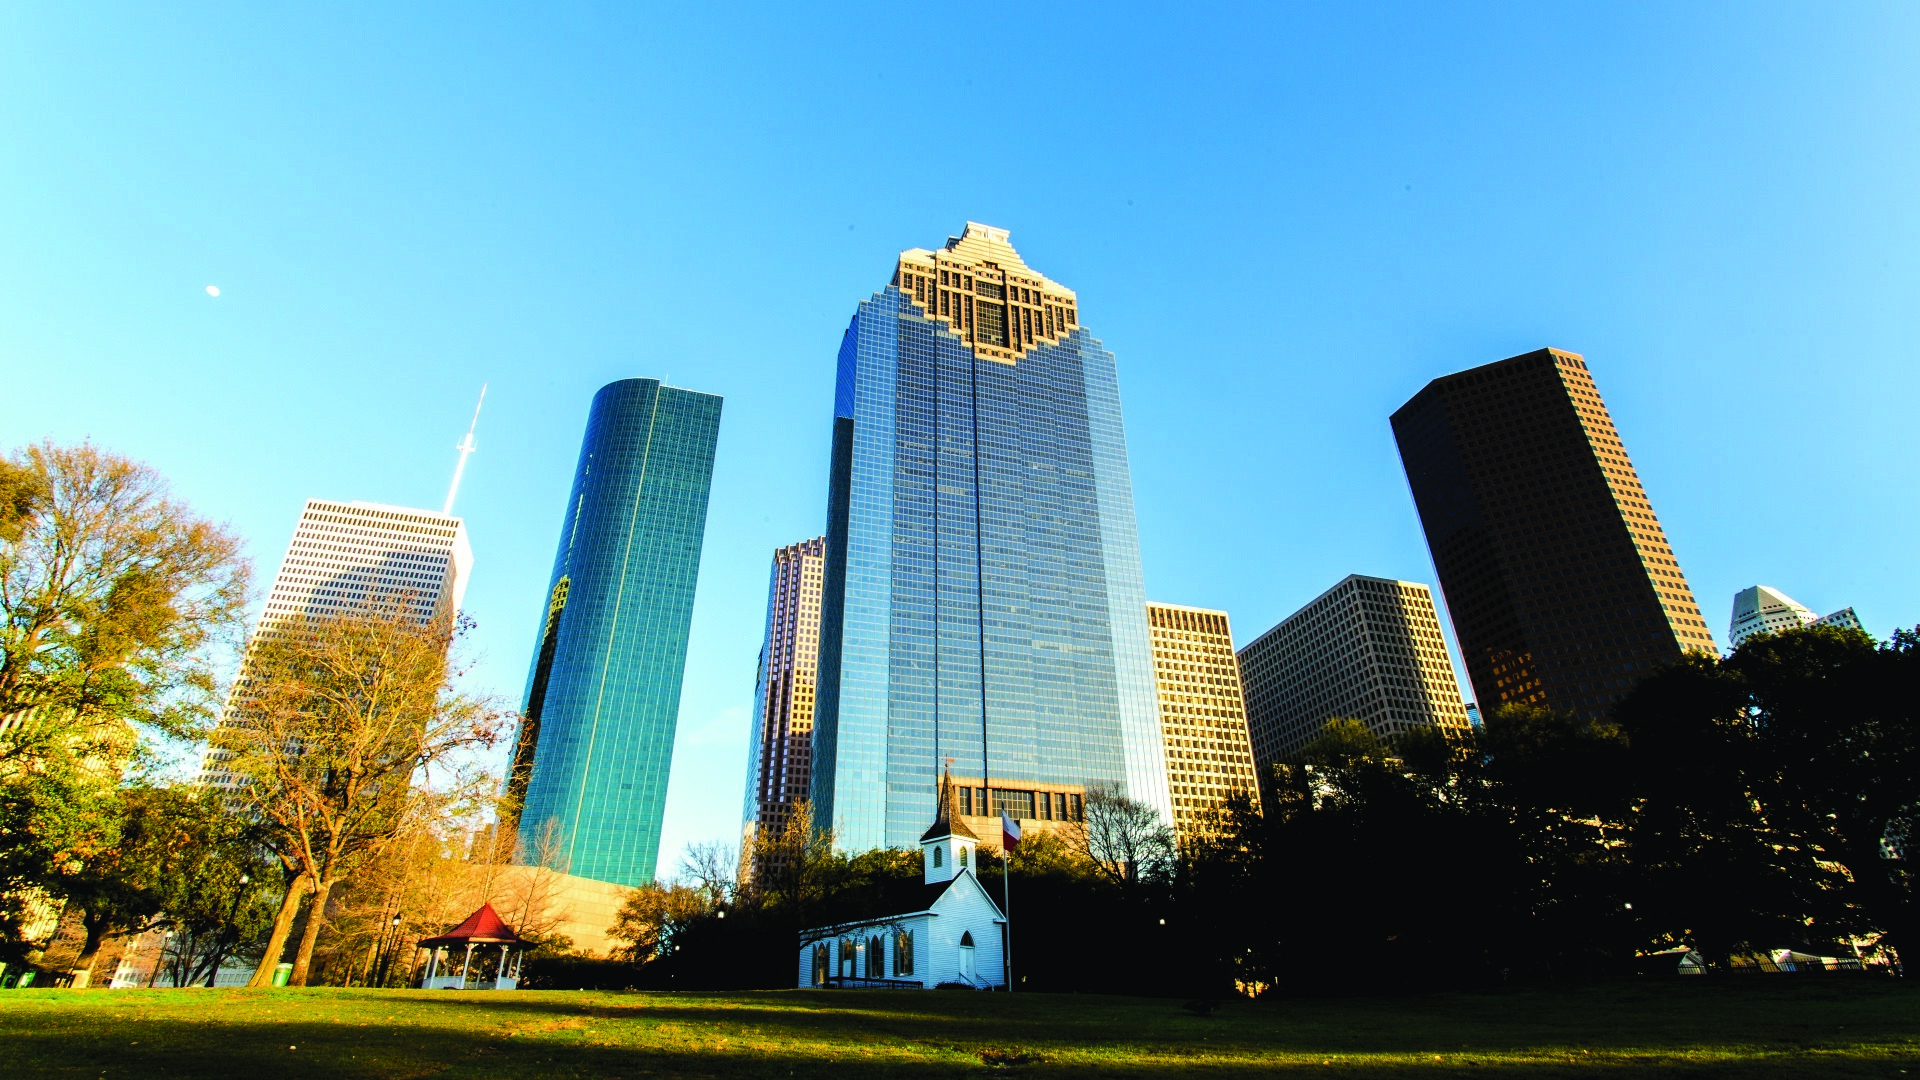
1368,649
1561,585
1202,716
780,765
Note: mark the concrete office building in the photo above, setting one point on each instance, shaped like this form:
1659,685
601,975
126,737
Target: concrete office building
1368,649
983,600
1203,719
1763,609
347,555
780,751
1561,584
603,693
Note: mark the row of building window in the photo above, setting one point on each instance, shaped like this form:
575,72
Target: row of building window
858,958
1027,805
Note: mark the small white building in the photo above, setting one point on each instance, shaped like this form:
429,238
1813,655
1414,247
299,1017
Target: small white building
957,937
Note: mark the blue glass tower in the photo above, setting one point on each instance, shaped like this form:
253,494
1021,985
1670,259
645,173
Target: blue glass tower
983,599
603,696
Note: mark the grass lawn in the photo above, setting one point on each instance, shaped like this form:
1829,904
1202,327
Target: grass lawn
1765,1027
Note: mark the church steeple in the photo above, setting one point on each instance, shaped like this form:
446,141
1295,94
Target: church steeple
947,847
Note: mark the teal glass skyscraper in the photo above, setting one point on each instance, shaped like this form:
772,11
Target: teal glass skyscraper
983,601
603,696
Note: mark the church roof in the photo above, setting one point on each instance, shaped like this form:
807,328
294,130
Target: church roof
939,889
929,896
483,927
948,822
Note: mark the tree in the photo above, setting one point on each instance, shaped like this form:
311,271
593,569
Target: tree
151,859
651,914
219,895
334,719
1777,791
715,868
116,605
1126,840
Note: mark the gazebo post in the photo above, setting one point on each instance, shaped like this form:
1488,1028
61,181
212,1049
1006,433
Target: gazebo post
466,966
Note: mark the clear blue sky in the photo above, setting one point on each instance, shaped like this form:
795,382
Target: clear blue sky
1283,219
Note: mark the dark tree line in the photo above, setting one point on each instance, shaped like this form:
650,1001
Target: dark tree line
1728,806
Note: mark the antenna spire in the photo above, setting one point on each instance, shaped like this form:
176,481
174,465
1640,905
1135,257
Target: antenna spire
465,447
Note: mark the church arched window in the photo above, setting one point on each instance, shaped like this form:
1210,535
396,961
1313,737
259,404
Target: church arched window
876,957
820,964
937,857
849,954
903,953
966,939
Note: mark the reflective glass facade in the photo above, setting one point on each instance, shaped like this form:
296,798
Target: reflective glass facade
603,695
983,598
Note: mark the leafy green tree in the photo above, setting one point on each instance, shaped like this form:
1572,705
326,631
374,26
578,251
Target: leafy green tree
117,605
142,861
1778,788
219,895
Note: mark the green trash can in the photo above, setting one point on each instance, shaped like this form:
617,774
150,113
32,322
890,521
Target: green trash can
281,973
26,980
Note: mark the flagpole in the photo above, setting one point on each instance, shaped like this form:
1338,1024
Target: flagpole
1006,887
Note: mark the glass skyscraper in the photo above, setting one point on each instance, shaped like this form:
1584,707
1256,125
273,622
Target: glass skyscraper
603,696
983,599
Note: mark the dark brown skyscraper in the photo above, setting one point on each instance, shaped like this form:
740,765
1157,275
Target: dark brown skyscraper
1561,585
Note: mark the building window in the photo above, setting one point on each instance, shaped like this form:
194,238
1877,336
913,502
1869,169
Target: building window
849,956
992,323
820,962
903,953
1016,804
876,957
938,857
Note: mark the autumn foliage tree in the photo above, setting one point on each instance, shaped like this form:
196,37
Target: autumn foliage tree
347,733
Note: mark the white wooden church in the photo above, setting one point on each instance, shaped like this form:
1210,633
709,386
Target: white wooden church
956,938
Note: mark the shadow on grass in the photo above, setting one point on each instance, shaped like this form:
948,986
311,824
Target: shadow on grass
296,1051
1770,1032
1619,1017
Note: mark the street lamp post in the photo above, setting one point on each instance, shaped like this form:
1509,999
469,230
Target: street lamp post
389,944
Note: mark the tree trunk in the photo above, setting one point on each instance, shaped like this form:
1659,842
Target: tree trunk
373,954
316,914
89,952
282,926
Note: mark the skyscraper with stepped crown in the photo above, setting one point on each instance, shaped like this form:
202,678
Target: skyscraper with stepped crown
983,600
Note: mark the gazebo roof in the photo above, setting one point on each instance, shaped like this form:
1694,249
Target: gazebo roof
483,927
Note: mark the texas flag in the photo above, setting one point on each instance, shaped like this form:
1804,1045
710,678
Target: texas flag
1009,832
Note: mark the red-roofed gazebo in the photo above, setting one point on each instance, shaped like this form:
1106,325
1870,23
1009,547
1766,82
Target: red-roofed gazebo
478,930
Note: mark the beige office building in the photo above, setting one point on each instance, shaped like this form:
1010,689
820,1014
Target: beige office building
344,555
1203,719
1368,649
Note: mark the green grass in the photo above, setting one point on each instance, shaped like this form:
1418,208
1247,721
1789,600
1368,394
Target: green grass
1765,1027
